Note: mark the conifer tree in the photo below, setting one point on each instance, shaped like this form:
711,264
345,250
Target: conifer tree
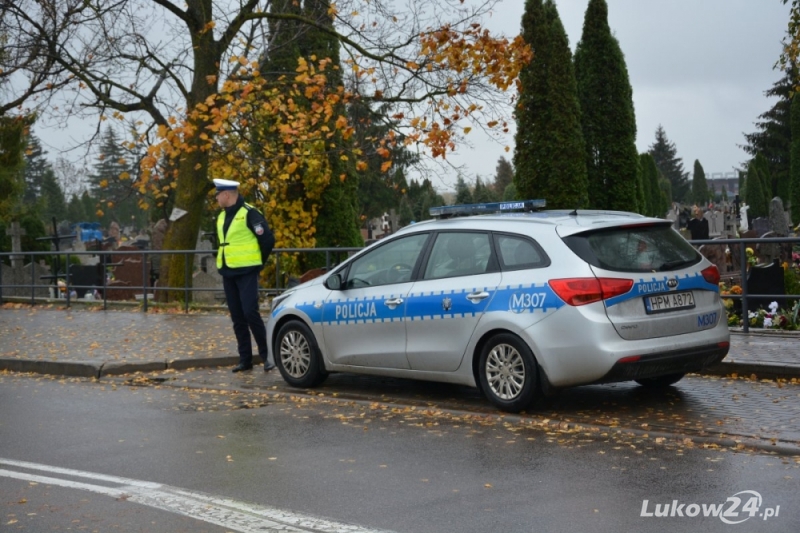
36,166
754,193
481,193
75,211
653,194
773,138
337,221
52,202
699,185
549,158
608,121
794,187
504,174
111,183
670,165
463,194
13,138
768,185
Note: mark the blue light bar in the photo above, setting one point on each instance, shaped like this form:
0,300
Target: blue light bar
447,211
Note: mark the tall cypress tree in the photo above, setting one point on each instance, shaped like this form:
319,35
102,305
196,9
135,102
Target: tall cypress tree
504,175
794,187
670,165
549,159
754,193
654,199
774,136
607,118
337,222
699,184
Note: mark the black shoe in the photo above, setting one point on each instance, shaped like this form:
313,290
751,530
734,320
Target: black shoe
241,368
269,366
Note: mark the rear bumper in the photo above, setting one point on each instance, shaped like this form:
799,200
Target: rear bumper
661,364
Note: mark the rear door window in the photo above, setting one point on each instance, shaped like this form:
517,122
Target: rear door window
517,253
639,248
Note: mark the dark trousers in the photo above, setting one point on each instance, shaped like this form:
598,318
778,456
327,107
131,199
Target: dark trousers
241,293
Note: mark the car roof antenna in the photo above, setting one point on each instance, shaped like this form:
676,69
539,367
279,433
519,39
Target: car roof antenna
574,212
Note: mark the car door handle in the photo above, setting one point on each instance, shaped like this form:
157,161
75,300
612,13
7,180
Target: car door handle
394,302
476,297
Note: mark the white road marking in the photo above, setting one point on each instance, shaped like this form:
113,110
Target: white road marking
231,514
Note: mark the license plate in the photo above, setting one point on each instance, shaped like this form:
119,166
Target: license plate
672,301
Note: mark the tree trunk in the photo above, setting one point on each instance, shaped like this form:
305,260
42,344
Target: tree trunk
192,180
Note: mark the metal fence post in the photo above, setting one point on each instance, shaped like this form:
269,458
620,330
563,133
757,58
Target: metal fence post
67,281
33,283
186,282
743,269
145,279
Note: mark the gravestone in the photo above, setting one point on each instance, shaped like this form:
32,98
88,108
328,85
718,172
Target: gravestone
158,233
766,279
86,276
760,226
16,233
128,278
212,285
714,223
22,276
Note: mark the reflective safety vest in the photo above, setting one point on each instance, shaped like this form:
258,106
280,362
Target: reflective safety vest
239,247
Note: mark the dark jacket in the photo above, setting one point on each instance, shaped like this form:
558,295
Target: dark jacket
699,228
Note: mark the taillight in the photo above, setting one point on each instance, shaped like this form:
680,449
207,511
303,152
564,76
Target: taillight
582,291
711,274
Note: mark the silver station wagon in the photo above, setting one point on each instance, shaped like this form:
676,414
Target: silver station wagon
516,302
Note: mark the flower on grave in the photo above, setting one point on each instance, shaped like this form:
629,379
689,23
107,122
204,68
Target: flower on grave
773,308
767,322
751,256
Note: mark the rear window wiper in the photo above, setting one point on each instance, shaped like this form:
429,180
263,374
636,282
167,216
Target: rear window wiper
674,265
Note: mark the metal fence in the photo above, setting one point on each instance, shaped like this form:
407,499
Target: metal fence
332,256
741,263
149,272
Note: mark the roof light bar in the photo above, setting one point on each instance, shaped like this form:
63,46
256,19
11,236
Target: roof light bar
447,211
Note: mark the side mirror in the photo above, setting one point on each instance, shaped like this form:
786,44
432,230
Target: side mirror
334,282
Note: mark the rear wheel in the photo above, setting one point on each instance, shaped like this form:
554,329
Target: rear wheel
507,372
661,381
298,357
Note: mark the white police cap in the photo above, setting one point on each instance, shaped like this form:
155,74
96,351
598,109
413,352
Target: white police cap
226,185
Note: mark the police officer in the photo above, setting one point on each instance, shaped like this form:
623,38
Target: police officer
245,242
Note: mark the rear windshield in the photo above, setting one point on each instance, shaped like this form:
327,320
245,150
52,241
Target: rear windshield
652,248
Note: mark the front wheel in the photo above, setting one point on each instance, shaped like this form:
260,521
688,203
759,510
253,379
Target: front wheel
298,357
661,381
507,372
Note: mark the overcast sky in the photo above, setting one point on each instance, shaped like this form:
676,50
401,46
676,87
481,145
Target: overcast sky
697,67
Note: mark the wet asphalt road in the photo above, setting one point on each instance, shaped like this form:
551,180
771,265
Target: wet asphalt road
381,466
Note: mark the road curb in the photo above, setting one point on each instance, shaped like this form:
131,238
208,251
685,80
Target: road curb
206,362
117,368
84,369
762,371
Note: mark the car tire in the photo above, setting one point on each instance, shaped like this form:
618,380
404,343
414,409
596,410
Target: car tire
661,381
507,372
297,356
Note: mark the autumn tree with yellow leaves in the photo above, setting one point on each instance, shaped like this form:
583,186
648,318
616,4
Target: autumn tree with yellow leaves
183,76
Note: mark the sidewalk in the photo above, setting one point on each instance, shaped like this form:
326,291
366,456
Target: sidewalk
100,343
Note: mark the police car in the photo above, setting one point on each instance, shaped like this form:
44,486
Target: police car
517,301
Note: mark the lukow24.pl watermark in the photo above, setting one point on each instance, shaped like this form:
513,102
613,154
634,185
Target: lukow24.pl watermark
738,508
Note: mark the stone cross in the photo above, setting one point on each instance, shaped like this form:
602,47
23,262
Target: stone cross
16,233
394,221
